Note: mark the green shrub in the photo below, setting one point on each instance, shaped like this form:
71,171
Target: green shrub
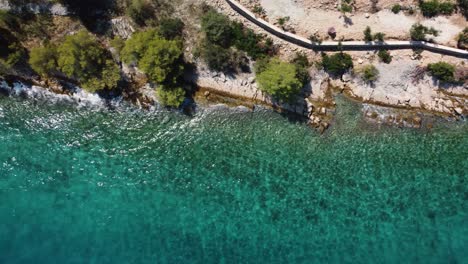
158,58
255,45
434,7
118,44
82,58
443,71
216,57
171,28
429,8
261,65
302,67
396,8
279,79
140,11
463,5
384,56
345,8
43,60
463,39
368,34
418,32
446,8
217,28
170,96
315,38
8,20
369,73
379,36
259,10
337,63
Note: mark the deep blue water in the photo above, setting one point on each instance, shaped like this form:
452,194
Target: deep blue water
81,185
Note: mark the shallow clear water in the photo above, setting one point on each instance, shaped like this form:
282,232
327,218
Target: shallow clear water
99,186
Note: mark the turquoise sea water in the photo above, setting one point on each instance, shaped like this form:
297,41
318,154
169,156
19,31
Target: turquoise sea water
79,185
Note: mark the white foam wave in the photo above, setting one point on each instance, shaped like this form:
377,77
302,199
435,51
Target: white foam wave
79,97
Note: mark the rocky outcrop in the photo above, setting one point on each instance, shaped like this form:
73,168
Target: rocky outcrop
5,5
122,27
36,8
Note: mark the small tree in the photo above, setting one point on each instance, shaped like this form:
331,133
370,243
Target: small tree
384,56
337,63
443,71
279,79
368,34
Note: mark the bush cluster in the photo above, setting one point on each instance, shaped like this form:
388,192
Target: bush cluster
434,7
418,32
337,63
79,57
443,71
379,36
221,35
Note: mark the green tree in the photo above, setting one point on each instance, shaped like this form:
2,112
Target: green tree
337,63
43,60
217,28
443,71
159,58
172,97
82,58
279,79
162,61
135,47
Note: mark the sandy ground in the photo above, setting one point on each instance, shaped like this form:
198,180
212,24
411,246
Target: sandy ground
307,19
